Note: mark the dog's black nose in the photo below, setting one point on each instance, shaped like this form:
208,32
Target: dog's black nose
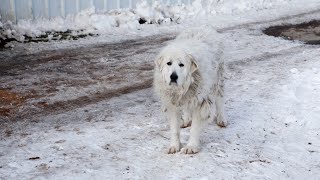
174,77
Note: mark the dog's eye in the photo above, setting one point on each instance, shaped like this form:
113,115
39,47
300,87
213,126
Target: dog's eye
169,63
181,65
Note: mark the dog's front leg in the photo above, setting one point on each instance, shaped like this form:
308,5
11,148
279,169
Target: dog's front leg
174,118
186,119
194,139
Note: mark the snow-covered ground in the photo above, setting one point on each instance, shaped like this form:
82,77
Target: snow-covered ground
272,104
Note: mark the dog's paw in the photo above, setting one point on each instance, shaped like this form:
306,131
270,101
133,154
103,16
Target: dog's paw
173,149
222,122
190,149
186,124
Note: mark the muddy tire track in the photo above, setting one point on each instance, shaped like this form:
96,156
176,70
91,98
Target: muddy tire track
87,75
24,61
68,105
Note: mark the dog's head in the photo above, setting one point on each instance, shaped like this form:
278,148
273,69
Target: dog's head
176,68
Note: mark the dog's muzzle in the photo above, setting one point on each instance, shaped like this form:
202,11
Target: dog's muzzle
173,78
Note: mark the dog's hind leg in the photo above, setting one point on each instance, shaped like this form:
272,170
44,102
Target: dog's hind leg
219,97
221,120
174,117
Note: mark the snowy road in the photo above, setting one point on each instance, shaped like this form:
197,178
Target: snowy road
89,113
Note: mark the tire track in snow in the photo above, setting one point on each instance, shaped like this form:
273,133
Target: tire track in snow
285,18
64,106
268,55
115,50
107,71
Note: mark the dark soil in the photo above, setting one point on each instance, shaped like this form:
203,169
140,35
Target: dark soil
308,32
9,102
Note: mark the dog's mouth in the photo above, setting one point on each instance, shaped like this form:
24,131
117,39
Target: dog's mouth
173,83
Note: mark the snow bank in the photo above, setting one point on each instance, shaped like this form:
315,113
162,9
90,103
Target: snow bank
205,7
131,19
1,27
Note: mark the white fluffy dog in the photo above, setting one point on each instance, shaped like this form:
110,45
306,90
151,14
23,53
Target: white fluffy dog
188,78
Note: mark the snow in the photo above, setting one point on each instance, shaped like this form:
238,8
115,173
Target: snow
272,104
128,19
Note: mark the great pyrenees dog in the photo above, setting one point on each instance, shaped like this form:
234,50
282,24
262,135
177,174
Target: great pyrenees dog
189,80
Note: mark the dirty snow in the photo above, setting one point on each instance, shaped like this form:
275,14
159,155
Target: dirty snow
272,104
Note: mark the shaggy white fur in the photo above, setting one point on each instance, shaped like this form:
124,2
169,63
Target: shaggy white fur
188,79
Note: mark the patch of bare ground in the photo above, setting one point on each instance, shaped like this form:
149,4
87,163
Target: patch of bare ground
10,102
308,32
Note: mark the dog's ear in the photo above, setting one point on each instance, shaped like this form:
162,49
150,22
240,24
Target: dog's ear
158,61
194,65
